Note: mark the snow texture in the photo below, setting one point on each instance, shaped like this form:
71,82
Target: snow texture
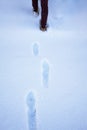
32,123
45,72
63,105
35,47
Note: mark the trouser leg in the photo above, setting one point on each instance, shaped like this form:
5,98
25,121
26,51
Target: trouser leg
35,5
44,12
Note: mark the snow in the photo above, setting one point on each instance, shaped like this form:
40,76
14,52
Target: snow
63,104
31,111
45,72
35,48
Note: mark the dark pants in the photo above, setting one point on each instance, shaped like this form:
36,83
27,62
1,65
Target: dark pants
44,10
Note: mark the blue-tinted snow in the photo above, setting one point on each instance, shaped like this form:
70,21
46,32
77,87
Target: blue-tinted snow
63,105
35,49
32,125
45,72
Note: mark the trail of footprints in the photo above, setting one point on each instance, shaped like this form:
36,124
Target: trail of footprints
31,100
45,66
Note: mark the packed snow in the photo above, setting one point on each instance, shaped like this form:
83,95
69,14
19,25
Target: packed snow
45,72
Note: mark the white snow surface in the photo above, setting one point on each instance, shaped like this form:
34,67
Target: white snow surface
63,104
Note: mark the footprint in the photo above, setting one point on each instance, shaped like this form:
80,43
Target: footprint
35,48
32,122
45,72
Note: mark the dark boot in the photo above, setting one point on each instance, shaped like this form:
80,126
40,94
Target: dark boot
43,28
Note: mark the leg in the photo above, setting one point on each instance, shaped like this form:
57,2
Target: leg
44,13
35,5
